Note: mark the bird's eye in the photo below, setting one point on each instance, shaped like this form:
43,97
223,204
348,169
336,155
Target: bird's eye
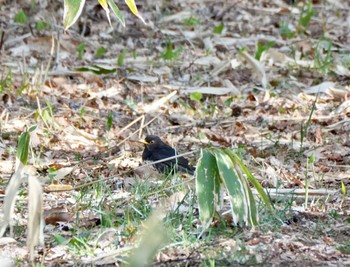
151,142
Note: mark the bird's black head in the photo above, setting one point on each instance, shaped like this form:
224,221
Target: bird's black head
152,142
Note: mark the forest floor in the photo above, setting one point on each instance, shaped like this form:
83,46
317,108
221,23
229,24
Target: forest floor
269,79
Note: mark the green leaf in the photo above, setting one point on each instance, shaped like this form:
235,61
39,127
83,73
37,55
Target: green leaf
121,57
196,96
96,69
72,11
170,53
81,50
32,129
191,21
251,179
23,147
109,121
59,239
306,15
207,186
218,29
100,52
343,189
285,30
117,12
41,25
21,17
234,186
261,48
241,169
345,248
104,5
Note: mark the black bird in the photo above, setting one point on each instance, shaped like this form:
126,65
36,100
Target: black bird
156,149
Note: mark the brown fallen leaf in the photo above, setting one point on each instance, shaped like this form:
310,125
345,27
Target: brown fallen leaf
58,214
58,187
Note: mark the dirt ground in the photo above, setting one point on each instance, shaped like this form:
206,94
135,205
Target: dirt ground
190,75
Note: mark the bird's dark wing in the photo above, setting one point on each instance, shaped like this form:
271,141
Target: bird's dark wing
181,163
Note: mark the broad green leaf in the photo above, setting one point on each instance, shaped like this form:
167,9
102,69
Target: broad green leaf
207,186
133,8
72,11
23,147
234,186
251,179
252,218
117,12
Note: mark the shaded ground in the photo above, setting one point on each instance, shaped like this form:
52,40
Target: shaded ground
262,108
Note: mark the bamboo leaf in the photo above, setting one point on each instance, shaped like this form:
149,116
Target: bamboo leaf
104,5
117,12
207,186
71,12
251,179
23,147
35,213
10,198
133,8
234,186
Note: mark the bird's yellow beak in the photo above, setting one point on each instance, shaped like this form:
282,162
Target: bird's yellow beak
143,141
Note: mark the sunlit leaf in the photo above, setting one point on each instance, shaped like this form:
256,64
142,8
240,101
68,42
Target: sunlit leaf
196,96
104,5
132,6
343,189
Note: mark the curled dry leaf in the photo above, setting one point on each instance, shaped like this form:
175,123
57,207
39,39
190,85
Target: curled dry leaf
215,137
